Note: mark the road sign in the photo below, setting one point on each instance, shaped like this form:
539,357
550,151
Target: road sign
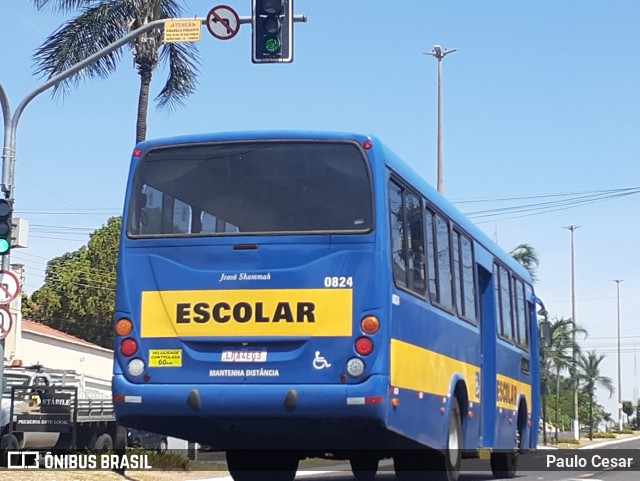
177,31
6,322
9,287
223,22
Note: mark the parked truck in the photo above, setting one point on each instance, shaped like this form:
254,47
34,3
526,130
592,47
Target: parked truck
43,410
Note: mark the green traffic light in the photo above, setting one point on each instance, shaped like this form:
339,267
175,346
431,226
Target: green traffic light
272,45
4,246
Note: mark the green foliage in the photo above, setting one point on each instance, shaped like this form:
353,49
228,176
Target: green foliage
526,255
164,461
604,436
100,23
78,295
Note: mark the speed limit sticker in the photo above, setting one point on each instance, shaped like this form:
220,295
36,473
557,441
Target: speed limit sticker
165,358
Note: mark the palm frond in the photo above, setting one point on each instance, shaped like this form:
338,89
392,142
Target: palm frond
63,5
183,60
94,29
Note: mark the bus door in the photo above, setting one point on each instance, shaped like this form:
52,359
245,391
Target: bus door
488,333
513,359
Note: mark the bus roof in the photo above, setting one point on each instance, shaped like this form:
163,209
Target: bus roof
393,161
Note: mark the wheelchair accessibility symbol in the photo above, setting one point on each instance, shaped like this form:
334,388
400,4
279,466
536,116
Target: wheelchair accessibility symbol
319,362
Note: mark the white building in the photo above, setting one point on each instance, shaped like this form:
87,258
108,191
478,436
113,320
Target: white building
30,343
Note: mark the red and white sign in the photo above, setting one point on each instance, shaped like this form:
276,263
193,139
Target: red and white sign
6,321
9,287
223,22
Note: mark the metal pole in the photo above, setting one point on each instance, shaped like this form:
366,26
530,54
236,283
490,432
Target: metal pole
575,421
439,54
618,281
11,123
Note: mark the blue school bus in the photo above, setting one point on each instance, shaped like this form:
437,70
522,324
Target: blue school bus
292,294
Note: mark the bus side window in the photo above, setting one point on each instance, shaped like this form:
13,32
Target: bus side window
457,273
431,255
398,252
468,279
445,297
415,230
503,302
523,332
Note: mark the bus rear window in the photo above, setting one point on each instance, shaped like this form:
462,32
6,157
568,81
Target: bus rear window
251,188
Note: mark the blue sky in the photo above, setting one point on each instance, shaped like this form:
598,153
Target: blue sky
542,98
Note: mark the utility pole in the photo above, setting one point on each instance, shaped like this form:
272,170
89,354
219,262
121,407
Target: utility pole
575,421
618,281
439,54
11,125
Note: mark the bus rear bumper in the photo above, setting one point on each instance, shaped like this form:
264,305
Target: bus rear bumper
251,400
239,414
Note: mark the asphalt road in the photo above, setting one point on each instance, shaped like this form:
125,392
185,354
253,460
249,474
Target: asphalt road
544,465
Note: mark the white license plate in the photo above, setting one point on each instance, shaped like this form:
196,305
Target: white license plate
244,356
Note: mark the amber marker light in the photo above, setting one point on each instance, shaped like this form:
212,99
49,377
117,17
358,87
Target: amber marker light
395,402
124,327
370,325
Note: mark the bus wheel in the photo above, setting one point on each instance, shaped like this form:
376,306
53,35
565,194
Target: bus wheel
505,464
452,457
364,467
268,465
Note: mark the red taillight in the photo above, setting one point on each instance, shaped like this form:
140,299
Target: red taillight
364,346
367,144
128,347
137,153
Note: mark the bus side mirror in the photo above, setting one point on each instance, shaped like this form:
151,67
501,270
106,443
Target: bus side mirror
545,333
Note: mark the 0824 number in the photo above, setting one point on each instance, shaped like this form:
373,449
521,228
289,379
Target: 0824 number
338,282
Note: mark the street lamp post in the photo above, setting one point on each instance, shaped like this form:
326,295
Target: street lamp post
618,281
575,422
439,54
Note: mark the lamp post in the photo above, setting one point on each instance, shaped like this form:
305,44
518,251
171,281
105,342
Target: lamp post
439,54
618,281
575,422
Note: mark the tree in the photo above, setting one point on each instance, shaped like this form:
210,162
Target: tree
627,408
559,355
589,377
526,255
100,23
78,296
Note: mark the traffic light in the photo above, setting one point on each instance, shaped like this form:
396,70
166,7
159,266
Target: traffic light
5,226
272,24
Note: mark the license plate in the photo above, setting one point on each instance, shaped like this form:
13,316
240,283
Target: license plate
244,356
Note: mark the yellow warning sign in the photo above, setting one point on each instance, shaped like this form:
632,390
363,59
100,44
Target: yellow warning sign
165,358
176,31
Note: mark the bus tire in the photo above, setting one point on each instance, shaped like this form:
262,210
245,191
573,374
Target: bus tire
364,467
504,464
267,465
452,456
103,443
8,443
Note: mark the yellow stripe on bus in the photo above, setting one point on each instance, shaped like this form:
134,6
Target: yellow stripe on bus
419,369
509,392
248,313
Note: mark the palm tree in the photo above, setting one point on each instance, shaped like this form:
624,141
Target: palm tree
526,255
589,378
98,24
560,353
